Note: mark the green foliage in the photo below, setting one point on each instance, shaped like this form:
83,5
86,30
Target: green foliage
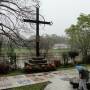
65,58
86,59
79,34
69,55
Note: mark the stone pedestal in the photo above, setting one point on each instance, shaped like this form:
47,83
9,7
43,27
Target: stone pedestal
36,64
38,60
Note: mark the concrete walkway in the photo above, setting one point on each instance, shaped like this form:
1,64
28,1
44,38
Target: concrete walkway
58,84
59,80
62,82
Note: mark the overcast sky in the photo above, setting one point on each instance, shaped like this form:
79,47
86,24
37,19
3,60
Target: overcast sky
63,13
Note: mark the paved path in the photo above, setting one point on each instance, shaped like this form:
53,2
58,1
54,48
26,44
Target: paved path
59,84
58,79
62,82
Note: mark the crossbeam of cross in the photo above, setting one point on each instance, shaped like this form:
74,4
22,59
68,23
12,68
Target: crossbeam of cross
37,22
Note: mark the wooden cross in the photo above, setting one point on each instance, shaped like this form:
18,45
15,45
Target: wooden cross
37,21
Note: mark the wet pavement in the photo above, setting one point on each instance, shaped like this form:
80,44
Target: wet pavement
58,83
59,80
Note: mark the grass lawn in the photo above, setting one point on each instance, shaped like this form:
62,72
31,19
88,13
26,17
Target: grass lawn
39,86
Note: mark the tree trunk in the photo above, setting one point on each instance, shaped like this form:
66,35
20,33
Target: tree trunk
84,55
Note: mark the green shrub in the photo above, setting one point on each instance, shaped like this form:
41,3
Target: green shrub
86,59
4,68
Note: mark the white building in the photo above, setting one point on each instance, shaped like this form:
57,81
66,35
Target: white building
61,46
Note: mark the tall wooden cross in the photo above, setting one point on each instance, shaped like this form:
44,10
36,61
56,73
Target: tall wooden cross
37,21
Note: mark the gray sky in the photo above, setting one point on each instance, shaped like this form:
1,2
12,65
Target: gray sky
63,13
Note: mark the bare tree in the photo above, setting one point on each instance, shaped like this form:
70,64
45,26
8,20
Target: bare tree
12,13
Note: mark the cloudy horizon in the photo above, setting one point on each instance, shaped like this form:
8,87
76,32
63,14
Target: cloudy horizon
63,13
